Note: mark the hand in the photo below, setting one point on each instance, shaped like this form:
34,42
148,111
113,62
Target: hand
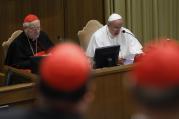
138,57
121,61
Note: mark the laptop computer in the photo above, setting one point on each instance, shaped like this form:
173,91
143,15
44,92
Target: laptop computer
106,56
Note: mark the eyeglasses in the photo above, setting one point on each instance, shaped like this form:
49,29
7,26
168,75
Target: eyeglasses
35,27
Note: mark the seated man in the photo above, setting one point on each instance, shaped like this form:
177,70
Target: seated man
31,41
114,34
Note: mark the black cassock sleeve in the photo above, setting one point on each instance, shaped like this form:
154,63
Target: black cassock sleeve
17,56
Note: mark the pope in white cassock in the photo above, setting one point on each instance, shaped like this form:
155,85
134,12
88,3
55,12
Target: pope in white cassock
114,34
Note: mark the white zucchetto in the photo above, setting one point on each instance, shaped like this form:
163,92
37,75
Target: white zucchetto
114,17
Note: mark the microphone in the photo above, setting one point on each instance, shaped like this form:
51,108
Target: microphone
124,31
60,38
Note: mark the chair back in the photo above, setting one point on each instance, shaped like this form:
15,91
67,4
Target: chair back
85,34
6,44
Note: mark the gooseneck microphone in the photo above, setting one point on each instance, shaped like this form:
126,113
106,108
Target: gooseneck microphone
124,31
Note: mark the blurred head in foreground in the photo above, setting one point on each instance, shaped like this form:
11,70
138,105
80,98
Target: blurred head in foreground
65,79
155,82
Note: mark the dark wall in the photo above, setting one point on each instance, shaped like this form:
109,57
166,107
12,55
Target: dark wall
77,14
14,11
58,17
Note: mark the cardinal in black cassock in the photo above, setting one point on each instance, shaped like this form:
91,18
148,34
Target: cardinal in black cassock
30,42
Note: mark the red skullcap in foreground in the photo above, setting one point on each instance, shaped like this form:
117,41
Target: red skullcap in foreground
159,67
66,69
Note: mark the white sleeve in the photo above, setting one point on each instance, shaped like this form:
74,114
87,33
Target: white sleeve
91,47
135,47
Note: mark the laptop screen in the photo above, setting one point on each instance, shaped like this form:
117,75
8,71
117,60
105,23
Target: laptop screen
106,56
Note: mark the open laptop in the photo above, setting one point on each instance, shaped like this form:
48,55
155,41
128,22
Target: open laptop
106,56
